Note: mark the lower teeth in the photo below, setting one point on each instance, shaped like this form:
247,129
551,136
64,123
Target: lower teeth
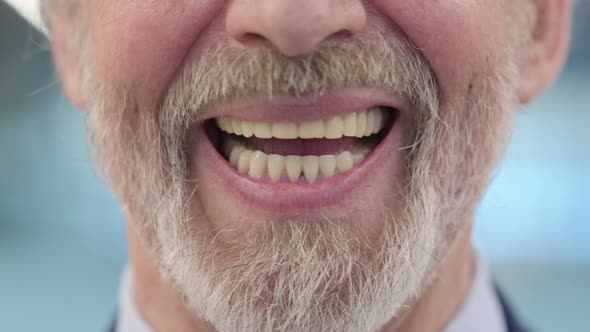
274,167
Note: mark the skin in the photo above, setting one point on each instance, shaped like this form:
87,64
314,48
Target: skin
142,45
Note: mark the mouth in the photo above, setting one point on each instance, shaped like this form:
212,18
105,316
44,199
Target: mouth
300,154
305,152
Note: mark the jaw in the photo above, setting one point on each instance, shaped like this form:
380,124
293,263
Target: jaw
193,316
374,187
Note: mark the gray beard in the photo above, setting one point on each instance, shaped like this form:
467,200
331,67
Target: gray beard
291,275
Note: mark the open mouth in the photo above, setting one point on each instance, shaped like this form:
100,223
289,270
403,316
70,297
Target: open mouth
301,152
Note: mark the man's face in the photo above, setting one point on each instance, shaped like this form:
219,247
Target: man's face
300,166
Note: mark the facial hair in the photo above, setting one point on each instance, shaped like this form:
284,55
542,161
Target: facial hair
301,274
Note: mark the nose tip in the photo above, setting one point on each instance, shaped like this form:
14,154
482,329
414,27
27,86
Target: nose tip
294,27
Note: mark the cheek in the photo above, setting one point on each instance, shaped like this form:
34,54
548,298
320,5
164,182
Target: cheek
141,45
461,39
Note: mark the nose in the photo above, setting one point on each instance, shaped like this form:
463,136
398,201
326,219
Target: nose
294,27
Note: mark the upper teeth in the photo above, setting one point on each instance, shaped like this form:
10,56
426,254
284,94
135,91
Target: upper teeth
359,124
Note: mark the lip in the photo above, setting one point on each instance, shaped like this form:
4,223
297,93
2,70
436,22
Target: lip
294,197
285,108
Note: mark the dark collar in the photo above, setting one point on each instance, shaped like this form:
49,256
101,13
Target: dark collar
512,323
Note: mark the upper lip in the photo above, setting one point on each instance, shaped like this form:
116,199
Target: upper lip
284,108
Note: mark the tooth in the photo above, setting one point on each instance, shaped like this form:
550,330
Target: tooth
234,156
258,162
334,127
244,161
328,165
276,165
284,130
361,124
311,129
228,147
349,126
219,122
237,126
228,126
357,158
263,130
378,121
294,165
370,123
248,128
344,161
224,124
359,154
310,168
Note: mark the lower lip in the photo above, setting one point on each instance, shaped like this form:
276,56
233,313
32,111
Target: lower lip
293,197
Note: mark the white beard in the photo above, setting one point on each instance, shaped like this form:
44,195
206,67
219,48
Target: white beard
290,275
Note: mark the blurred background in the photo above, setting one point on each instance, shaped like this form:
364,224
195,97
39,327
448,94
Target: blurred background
62,234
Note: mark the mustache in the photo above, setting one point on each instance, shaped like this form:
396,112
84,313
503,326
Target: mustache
225,73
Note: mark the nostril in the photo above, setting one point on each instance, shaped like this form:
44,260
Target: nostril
252,39
252,36
340,35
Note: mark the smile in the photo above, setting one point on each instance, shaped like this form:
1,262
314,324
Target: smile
291,153
301,152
